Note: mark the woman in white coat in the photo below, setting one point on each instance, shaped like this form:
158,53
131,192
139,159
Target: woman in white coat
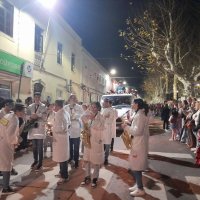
139,129
94,155
61,139
9,135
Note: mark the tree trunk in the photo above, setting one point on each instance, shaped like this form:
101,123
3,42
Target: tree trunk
175,91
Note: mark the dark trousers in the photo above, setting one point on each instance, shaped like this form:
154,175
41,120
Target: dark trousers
74,149
112,144
166,124
24,143
138,178
6,179
64,169
38,150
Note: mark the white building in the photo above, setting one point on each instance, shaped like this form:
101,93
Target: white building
51,53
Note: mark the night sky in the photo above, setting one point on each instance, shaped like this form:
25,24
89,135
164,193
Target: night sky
98,23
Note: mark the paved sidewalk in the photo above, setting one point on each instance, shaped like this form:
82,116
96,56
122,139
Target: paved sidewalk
171,175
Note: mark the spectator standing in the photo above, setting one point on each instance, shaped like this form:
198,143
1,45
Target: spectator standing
165,113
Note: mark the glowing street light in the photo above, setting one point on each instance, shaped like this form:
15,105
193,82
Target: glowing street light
49,4
113,71
124,82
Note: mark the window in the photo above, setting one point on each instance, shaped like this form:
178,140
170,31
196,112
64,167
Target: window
59,94
59,53
73,62
38,39
6,17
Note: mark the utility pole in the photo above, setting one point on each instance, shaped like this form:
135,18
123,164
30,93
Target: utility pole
20,79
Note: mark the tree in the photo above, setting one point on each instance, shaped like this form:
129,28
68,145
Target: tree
166,38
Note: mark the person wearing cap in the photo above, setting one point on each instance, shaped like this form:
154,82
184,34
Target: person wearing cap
138,157
61,140
8,105
9,136
109,116
37,112
75,110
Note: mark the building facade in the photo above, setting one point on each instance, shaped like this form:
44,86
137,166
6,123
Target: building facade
40,52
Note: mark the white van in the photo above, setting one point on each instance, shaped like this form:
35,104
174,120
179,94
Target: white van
122,103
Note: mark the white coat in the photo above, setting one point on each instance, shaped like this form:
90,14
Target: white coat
61,136
114,123
140,130
109,129
38,133
95,154
8,138
75,115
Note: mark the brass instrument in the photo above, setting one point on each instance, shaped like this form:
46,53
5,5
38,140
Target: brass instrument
126,137
33,123
48,128
85,135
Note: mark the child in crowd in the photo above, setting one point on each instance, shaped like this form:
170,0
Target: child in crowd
174,124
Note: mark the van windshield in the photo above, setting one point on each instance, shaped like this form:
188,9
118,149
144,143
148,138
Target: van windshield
119,100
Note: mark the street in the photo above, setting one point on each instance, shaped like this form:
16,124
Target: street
171,175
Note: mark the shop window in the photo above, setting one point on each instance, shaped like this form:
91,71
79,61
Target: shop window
6,17
59,53
38,39
5,91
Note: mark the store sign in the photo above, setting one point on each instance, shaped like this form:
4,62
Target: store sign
13,64
28,69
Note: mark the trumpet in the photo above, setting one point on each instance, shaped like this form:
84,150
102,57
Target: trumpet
85,135
48,127
126,137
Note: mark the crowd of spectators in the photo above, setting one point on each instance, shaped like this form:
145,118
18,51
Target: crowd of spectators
182,119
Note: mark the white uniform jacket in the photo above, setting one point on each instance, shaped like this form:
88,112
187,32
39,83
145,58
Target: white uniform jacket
114,123
8,138
61,136
41,111
95,154
109,129
75,115
140,130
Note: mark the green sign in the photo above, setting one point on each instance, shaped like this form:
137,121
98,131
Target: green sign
10,63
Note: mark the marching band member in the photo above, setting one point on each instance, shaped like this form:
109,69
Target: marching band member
8,105
139,129
61,139
113,128
50,120
37,113
75,112
109,117
9,135
95,154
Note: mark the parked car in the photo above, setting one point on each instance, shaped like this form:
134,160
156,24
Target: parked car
122,103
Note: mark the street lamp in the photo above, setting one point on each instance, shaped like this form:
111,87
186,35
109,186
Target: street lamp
49,4
113,71
124,82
